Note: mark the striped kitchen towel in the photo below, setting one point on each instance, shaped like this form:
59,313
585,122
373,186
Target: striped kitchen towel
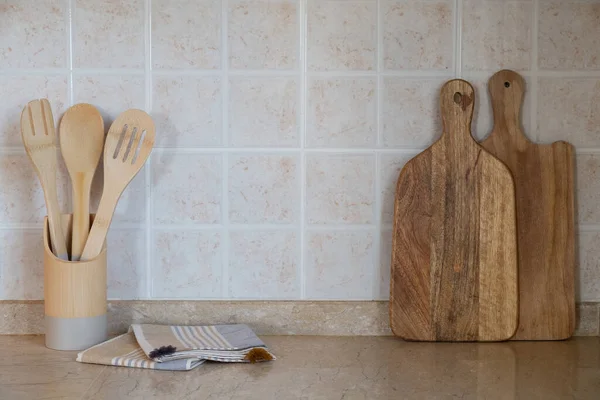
178,348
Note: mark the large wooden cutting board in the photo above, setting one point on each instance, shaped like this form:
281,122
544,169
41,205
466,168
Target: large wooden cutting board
454,255
543,177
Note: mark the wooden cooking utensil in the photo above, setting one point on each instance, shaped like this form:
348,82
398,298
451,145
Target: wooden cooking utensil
128,144
454,251
543,176
81,142
39,138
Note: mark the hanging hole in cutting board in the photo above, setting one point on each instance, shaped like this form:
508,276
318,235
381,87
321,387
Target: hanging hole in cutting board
506,84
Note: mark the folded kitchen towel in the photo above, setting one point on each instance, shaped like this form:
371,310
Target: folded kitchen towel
178,348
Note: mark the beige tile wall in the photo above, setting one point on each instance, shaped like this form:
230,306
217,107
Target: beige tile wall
282,126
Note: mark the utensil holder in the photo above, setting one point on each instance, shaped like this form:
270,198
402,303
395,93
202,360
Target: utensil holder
74,297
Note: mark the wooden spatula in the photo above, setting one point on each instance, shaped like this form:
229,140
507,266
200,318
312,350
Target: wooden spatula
39,138
544,178
128,144
81,143
454,250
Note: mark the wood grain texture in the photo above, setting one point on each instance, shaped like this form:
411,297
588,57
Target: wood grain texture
454,261
544,184
73,289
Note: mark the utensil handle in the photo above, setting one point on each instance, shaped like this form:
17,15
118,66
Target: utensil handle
81,213
57,237
97,236
456,100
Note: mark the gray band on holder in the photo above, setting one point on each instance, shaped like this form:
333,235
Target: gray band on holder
75,333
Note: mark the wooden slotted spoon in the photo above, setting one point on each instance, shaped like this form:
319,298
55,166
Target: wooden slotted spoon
81,144
39,138
128,144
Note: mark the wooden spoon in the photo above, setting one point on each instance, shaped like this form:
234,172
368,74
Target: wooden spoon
39,138
128,144
81,143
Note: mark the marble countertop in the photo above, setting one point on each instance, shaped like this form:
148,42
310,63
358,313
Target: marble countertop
317,367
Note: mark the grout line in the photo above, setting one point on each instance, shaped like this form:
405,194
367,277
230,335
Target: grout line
377,187
148,166
225,248
71,99
458,20
535,134
303,38
275,150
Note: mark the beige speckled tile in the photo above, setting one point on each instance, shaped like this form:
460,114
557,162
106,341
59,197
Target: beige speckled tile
263,112
587,319
126,263
186,34
177,126
21,90
22,198
382,283
569,35
33,39
410,112
569,109
186,188
340,189
342,112
587,187
589,266
268,260
187,264
108,34
339,265
390,166
496,35
131,208
21,264
342,35
264,189
263,34
417,34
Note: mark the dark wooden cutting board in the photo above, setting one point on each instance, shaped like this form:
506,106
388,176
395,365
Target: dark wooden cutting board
543,176
454,255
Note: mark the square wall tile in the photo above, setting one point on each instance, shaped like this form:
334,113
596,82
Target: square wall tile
111,94
264,189
33,34
131,208
342,35
262,112
483,118
417,34
263,34
569,35
21,197
342,112
589,267
382,286
340,189
176,125
339,265
411,112
186,188
126,263
569,109
21,265
390,166
264,265
108,34
21,90
587,321
187,264
587,187
496,35
186,34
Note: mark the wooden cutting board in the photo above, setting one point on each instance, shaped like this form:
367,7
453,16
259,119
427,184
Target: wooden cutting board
544,178
454,255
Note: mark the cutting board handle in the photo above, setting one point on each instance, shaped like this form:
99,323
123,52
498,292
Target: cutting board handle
456,99
507,89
